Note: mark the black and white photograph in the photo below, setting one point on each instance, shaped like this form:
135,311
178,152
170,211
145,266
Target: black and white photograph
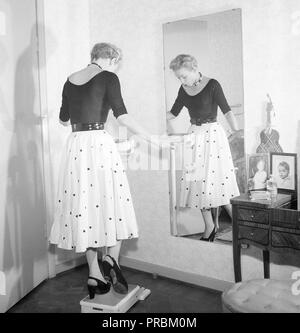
150,159
258,170
284,169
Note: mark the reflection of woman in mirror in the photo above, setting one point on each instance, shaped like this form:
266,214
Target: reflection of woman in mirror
260,175
94,208
211,182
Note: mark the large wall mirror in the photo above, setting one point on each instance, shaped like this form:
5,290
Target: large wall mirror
215,41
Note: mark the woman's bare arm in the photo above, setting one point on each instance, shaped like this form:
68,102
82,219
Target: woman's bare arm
128,121
231,119
170,116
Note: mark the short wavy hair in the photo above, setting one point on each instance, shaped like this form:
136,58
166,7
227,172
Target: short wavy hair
284,165
184,61
106,51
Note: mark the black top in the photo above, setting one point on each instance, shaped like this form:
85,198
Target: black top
203,105
91,101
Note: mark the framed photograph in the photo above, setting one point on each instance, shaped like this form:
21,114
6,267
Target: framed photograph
258,171
284,169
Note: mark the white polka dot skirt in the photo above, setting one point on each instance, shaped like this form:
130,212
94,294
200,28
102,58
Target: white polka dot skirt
208,178
93,206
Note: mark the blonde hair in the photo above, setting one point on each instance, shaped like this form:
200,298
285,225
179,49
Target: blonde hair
184,61
106,51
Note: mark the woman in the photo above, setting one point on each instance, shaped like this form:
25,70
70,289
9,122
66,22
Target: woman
94,206
210,182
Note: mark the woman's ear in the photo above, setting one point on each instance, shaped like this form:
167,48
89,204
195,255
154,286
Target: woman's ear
112,61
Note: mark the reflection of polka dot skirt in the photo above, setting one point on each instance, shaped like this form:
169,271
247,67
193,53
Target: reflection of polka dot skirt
211,182
94,206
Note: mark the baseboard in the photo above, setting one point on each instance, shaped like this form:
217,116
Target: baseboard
168,272
70,264
175,274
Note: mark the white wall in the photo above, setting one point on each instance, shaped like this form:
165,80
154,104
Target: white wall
23,253
270,65
67,38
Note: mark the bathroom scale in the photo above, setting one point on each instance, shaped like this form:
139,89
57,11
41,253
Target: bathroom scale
113,302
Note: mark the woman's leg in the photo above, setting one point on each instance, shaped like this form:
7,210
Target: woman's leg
94,270
118,281
229,210
215,215
114,251
208,221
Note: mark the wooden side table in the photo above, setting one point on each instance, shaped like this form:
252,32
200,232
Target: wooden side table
252,224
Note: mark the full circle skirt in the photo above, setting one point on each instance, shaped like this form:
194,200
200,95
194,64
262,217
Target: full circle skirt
208,178
93,206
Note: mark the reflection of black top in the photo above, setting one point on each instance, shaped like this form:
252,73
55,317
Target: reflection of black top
205,104
91,101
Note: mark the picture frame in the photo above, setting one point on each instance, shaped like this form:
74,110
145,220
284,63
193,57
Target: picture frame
258,171
283,166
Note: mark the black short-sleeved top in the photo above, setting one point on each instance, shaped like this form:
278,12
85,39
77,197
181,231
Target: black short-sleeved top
91,101
203,105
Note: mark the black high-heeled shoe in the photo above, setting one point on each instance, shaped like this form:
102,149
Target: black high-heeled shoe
211,237
113,274
105,268
100,289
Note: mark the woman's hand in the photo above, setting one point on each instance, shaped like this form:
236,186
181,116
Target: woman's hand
165,138
190,139
170,117
235,135
128,121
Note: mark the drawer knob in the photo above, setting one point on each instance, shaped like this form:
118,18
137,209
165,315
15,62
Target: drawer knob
252,216
252,234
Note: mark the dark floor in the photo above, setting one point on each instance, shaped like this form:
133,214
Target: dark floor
63,293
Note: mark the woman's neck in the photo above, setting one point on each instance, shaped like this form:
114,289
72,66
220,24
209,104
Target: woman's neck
199,79
105,64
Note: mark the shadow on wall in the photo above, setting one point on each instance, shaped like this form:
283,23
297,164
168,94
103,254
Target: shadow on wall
25,206
5,119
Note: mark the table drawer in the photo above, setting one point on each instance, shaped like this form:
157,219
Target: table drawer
252,215
257,235
286,218
285,240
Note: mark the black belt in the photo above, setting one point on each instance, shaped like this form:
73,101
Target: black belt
199,122
87,127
